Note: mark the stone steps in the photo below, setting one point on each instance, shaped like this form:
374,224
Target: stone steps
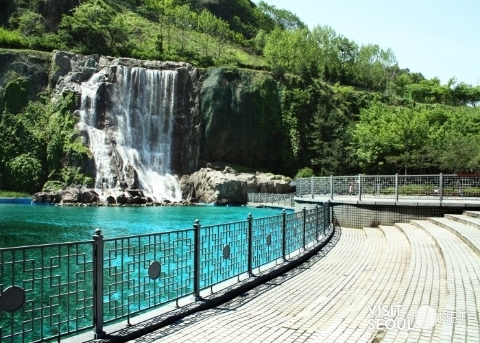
465,218
346,318
474,214
379,289
468,234
421,285
463,284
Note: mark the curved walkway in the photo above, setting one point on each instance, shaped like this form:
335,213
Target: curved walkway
415,282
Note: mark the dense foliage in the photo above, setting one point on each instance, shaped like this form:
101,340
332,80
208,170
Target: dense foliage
349,108
221,32
417,138
37,145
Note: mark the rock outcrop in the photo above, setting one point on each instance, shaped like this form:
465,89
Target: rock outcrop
228,186
211,186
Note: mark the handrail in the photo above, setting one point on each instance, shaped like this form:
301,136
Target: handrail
427,187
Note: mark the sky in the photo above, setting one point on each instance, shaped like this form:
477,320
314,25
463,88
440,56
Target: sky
438,38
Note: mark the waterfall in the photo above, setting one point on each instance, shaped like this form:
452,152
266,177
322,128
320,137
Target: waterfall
129,123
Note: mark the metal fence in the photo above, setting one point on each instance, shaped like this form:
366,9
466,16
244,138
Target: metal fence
438,187
50,291
286,200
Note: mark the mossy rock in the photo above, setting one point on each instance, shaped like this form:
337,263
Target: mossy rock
16,95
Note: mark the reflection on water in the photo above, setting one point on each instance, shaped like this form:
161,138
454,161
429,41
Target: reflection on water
22,225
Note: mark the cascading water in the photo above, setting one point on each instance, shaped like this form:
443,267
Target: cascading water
129,124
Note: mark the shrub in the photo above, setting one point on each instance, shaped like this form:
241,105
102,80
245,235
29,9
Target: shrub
25,173
16,95
11,39
304,172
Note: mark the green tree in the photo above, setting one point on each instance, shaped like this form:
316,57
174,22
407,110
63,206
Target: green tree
326,53
284,19
347,54
374,67
207,24
304,172
292,50
90,29
31,24
386,136
184,20
242,16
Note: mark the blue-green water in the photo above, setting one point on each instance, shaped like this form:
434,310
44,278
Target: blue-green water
22,225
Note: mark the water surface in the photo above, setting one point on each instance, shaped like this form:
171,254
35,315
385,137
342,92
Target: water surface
22,225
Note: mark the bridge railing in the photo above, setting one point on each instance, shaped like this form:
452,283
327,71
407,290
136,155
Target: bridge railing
438,186
285,200
51,291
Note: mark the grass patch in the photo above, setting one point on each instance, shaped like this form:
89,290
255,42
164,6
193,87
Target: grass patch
10,194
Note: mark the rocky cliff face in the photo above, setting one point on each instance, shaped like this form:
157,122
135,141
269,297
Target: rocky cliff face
32,68
242,121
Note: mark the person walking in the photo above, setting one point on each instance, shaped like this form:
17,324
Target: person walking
350,188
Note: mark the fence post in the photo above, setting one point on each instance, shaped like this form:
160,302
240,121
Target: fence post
196,261
311,186
396,186
359,187
250,244
330,214
317,214
304,227
325,217
98,285
331,187
440,196
284,234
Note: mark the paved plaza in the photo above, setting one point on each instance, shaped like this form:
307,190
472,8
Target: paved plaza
415,282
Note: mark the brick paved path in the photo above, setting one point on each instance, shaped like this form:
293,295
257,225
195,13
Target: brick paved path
416,282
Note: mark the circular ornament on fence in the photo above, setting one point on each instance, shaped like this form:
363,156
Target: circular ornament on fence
269,239
154,270
226,251
12,298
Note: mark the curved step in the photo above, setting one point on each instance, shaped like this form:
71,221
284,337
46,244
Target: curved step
468,234
474,214
463,285
380,289
333,313
465,219
377,287
420,286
